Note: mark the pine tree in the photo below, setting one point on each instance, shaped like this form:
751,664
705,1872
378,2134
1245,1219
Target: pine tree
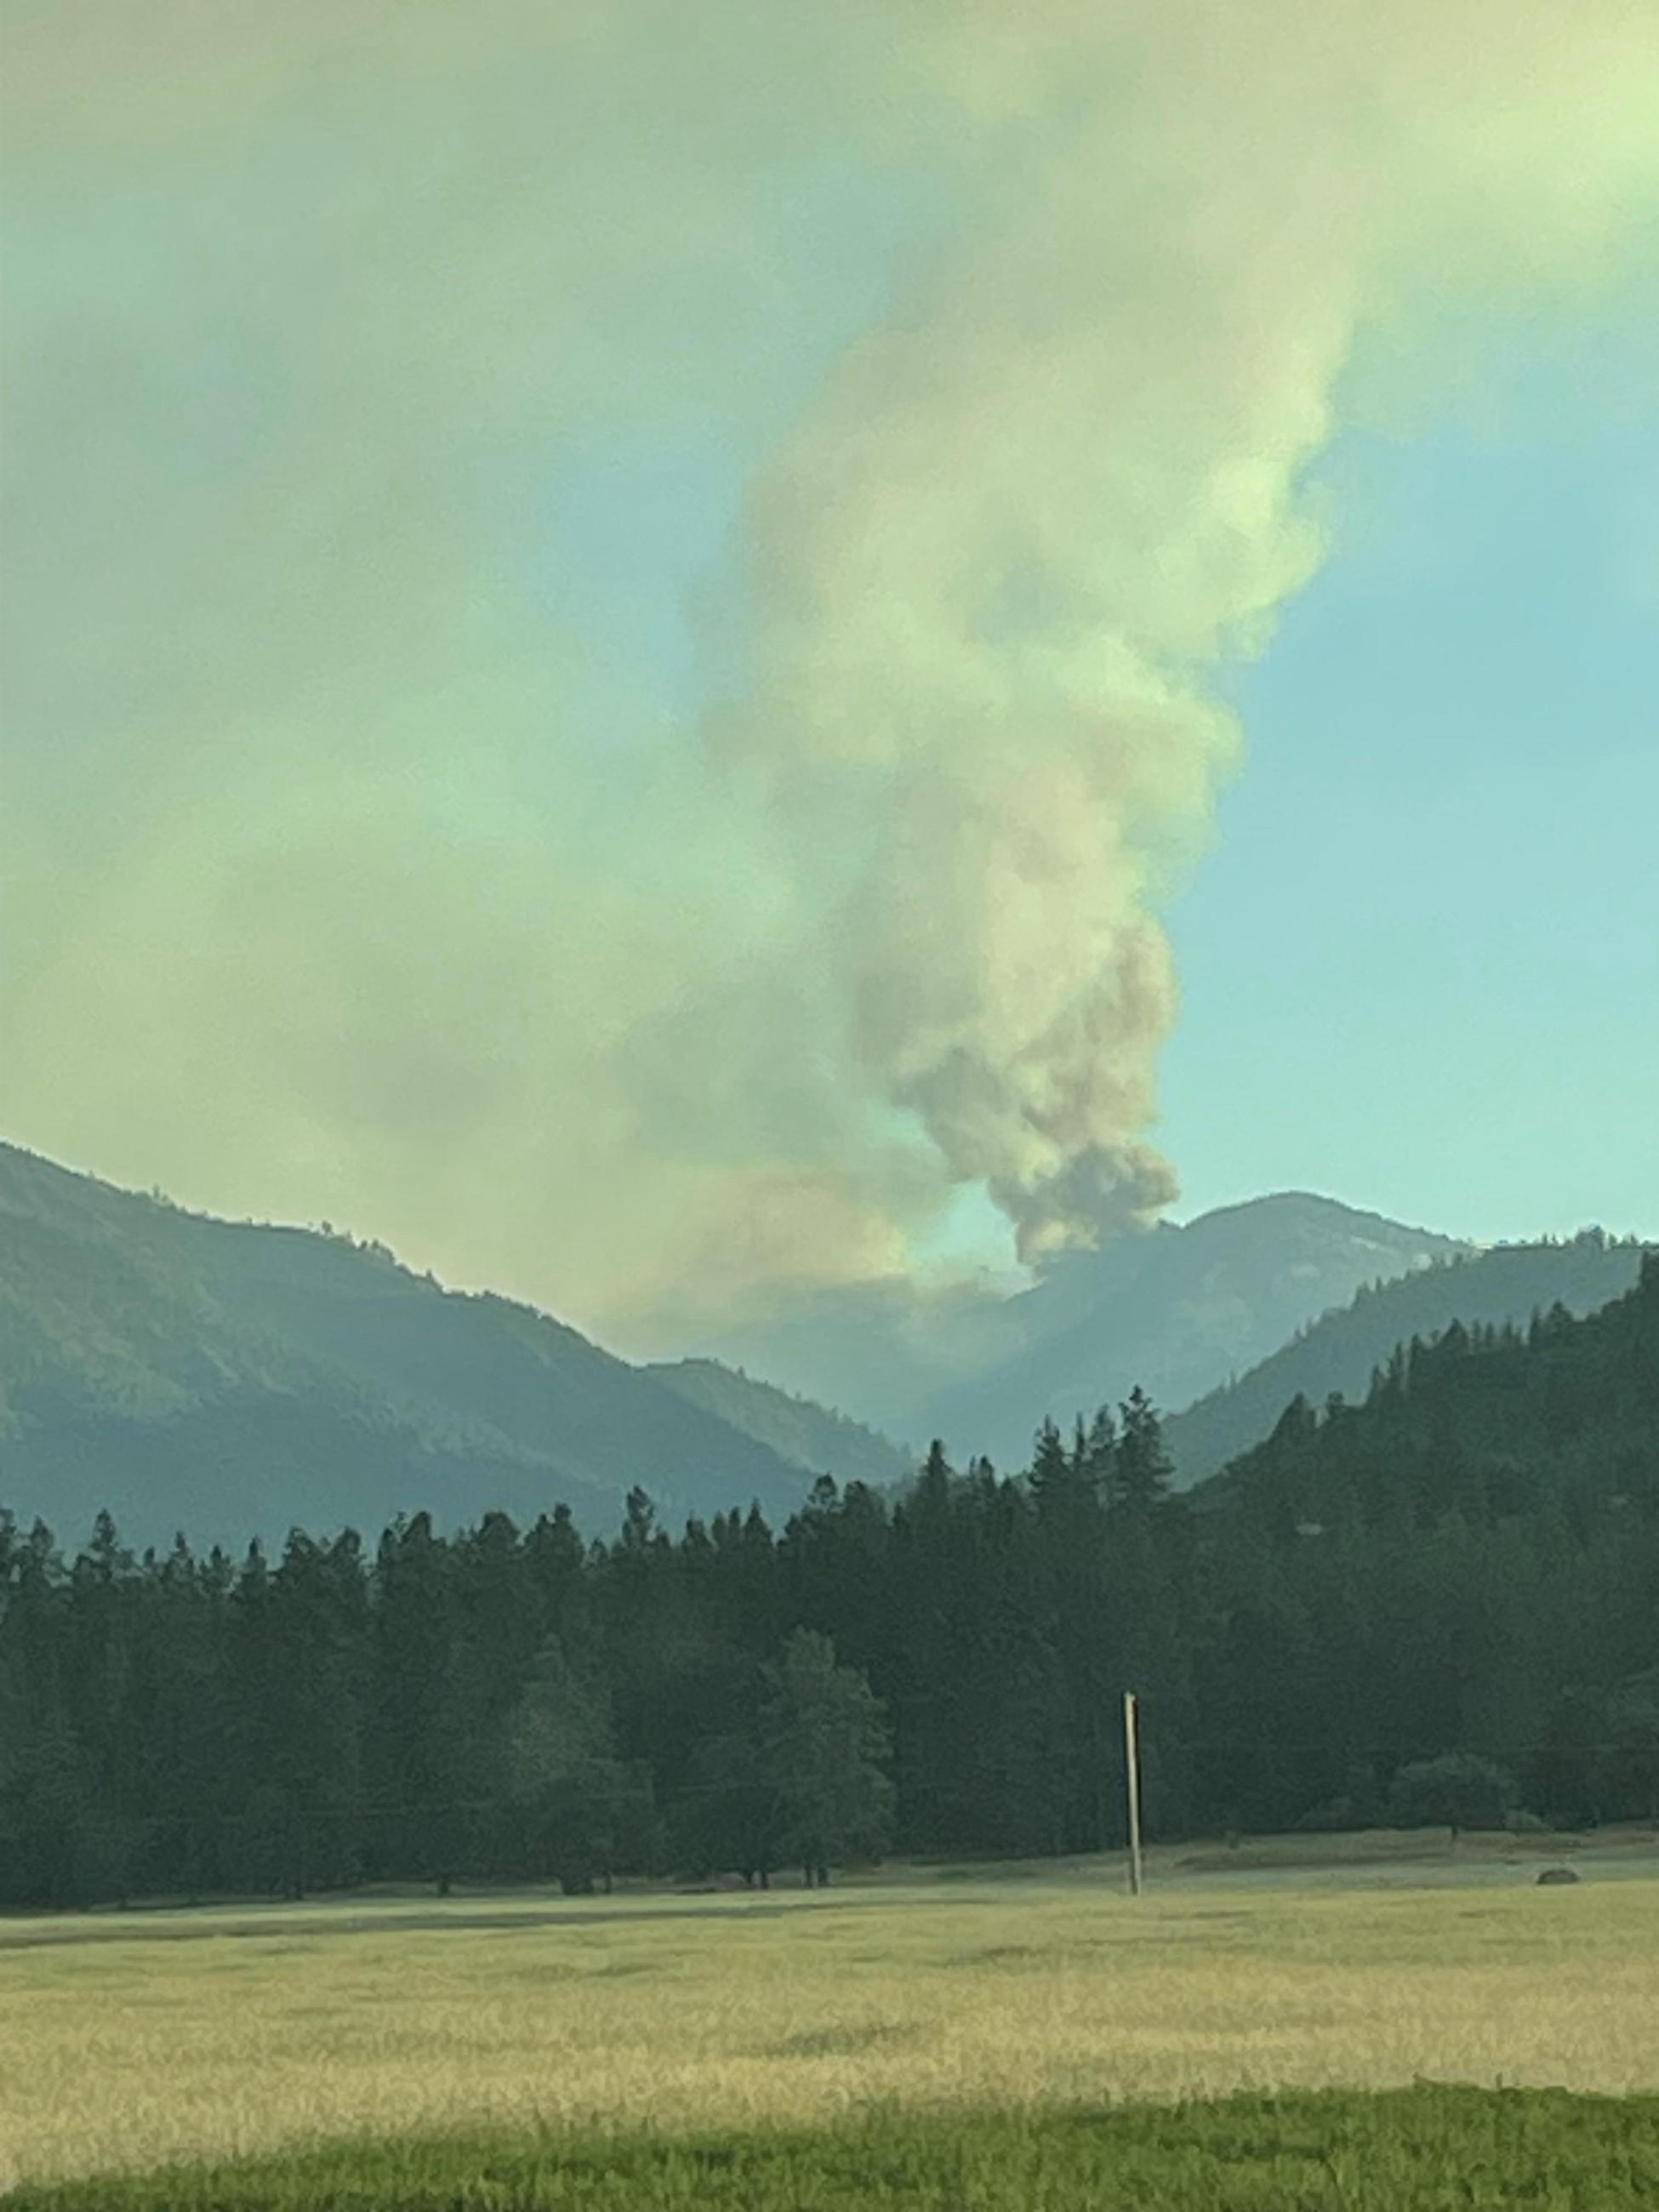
825,1748
581,1810
1141,1467
1051,1469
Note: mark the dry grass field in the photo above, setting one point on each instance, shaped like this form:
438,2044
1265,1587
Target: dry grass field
126,2041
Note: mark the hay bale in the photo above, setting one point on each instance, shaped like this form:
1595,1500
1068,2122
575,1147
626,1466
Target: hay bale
1552,1877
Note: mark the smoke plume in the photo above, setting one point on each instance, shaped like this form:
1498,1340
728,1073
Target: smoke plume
364,858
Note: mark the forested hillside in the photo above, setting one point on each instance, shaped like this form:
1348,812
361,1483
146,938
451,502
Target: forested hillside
1438,1606
230,1378
1559,1419
1342,1349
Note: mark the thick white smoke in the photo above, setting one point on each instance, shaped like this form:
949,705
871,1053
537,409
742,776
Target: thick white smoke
338,885
996,566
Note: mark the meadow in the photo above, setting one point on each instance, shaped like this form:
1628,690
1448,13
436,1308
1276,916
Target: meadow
994,2009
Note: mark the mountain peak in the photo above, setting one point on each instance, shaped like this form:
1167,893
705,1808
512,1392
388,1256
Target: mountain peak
1178,1311
1292,1213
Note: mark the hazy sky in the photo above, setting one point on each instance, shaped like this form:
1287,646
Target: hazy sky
661,653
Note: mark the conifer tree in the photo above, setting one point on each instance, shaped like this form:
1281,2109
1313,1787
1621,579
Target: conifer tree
825,1748
1142,1468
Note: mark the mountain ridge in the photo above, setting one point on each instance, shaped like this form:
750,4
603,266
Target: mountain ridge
1484,1417
1501,1286
144,1345
1177,1309
229,1376
798,1428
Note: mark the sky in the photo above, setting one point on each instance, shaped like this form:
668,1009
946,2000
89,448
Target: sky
1433,899
673,657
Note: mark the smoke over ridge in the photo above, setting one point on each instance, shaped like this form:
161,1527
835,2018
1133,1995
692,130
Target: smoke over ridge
368,855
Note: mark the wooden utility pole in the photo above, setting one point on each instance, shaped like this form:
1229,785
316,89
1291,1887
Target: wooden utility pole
1131,1777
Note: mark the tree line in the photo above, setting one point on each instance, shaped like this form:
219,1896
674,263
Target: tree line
1441,1603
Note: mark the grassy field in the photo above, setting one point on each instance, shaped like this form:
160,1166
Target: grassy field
1428,2149
126,2041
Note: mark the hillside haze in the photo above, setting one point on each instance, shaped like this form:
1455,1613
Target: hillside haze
805,1434
1177,1309
229,1379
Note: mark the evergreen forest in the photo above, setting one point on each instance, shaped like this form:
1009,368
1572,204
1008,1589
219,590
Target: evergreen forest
1439,1604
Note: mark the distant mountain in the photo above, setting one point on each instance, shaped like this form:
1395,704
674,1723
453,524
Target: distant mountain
805,1434
1177,1309
1341,1352
233,1379
1180,1309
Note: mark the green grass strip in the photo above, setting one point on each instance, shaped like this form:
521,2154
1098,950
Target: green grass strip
1431,2149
